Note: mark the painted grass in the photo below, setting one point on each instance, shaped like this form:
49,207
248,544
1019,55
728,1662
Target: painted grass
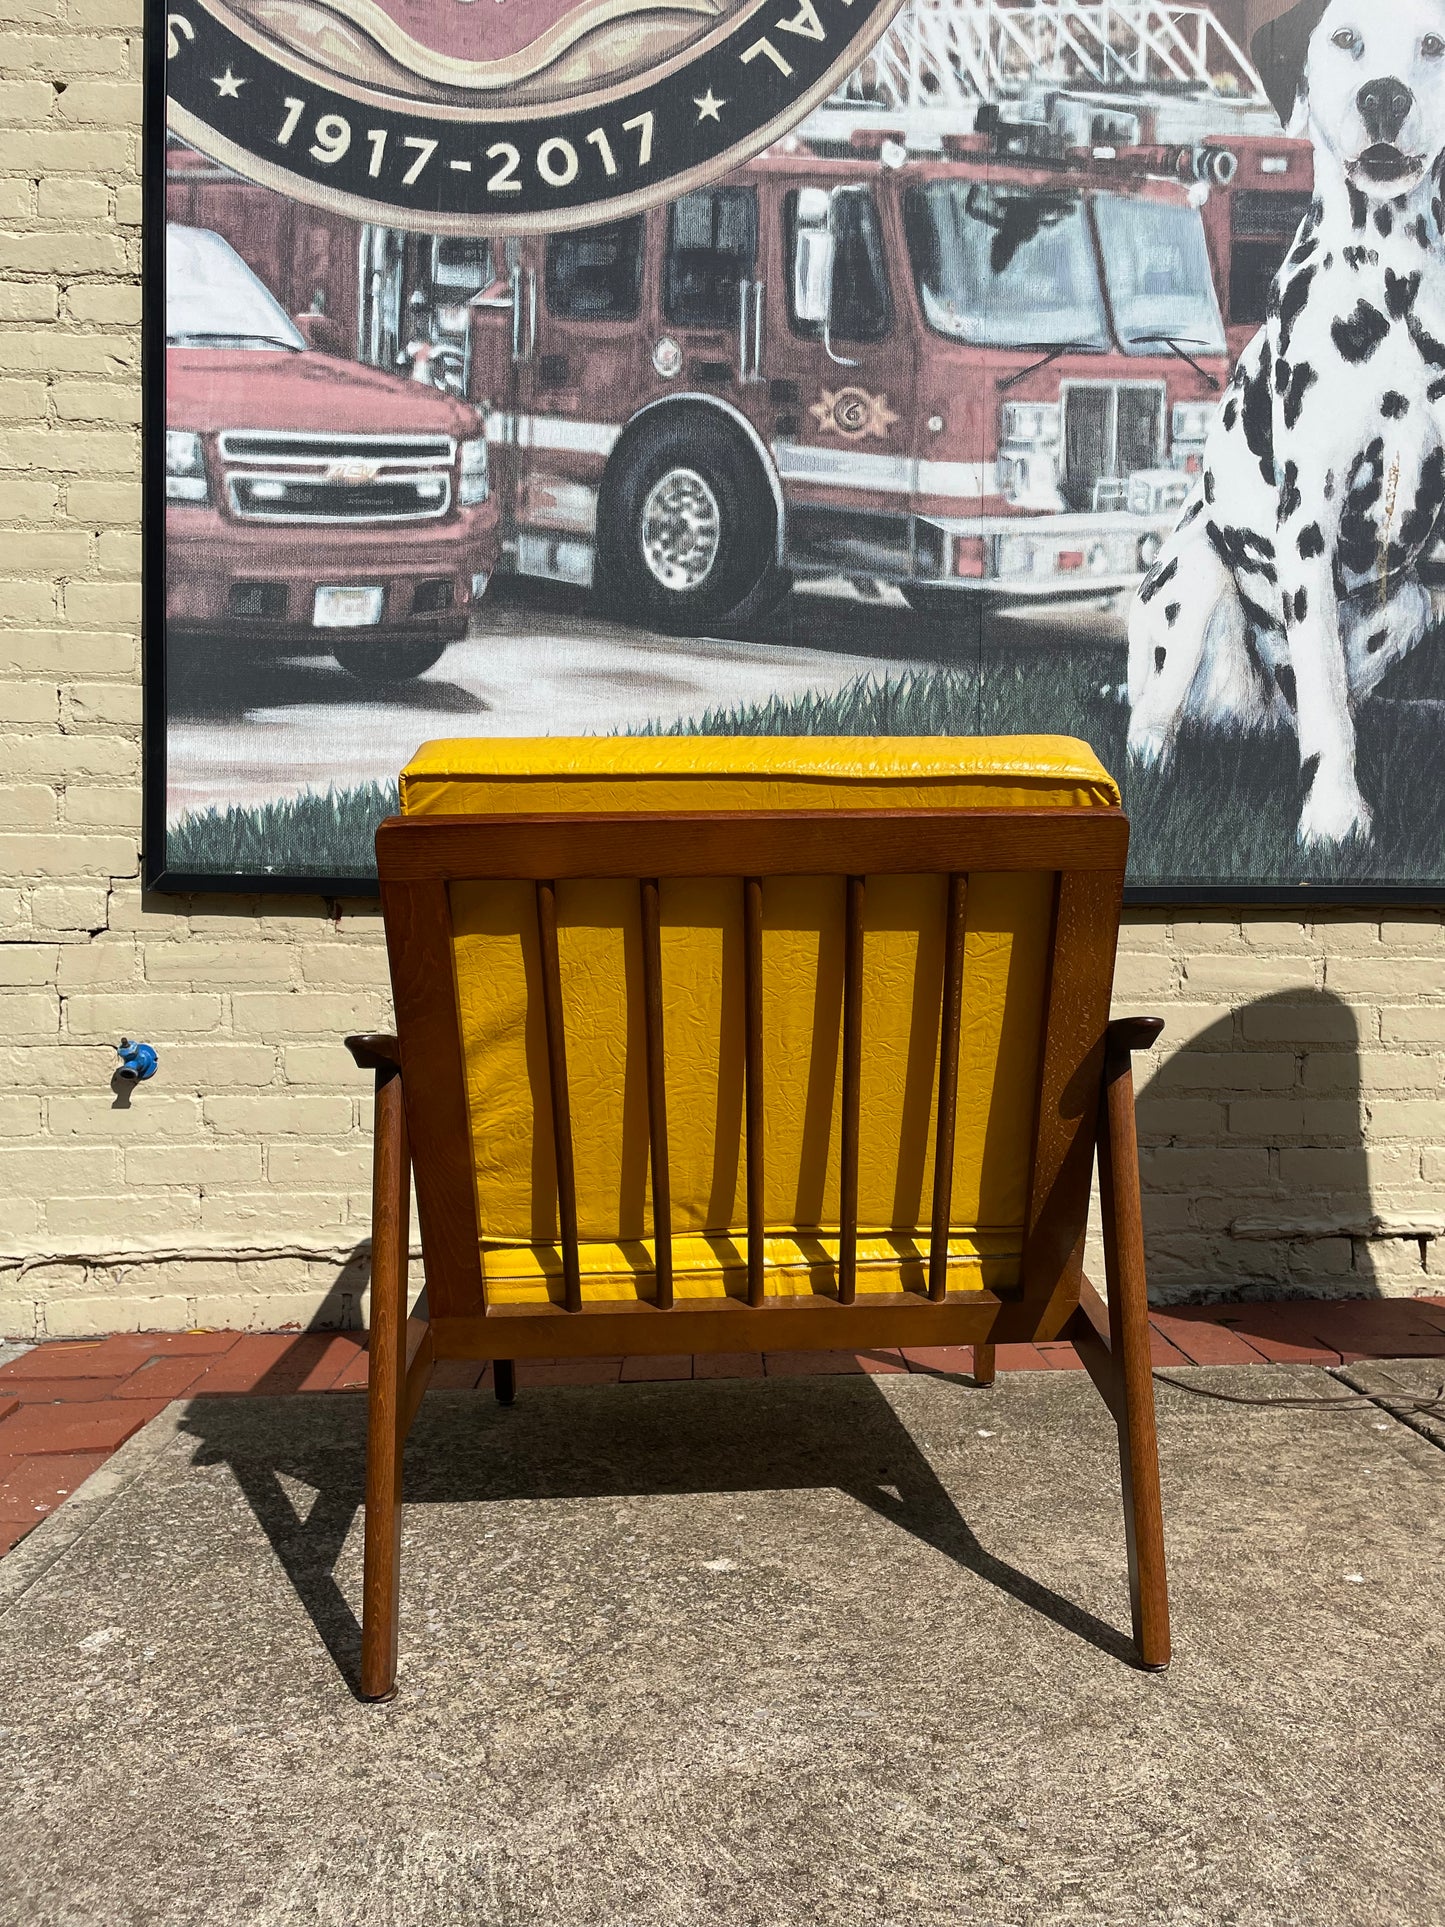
1224,814
314,835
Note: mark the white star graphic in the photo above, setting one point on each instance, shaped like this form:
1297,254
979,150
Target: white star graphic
707,107
227,85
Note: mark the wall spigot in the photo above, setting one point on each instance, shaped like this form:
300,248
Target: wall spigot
137,1061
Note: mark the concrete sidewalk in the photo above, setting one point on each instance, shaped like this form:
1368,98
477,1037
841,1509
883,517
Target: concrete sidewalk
750,1653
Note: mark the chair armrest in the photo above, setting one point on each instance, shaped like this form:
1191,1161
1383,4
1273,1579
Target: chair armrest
375,1051
1125,1035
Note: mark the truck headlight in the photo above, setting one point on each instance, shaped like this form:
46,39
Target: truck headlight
474,486
1192,423
1031,425
185,467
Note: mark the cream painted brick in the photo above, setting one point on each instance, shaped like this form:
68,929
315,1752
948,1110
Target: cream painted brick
1422,1025
52,1170
27,1016
28,965
129,206
70,200
297,1166
43,252
58,54
299,1014
23,401
102,602
1385,980
1276,934
26,301
1317,1020
1269,1120
102,502
1192,1119
118,552
1396,1258
66,856
1319,1258
213,1166
1244,980
16,199
345,966
55,552
144,1013
281,1113
1233,1172
26,501
107,102
106,964
103,704
101,809
71,908
151,1113
1421,933
219,1066
29,704
19,1118
1344,1173
267,1216
1225,1071
74,757
60,351
64,653
106,450
1205,936
125,1218
1144,979
107,402
119,1311
1432,1164
109,304
329,1065
1371,1071
233,964
45,1064
1352,937
1196,1028
1147,931
35,806
1415,1119
27,602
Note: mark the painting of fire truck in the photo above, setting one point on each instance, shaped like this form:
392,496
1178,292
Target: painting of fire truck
880,433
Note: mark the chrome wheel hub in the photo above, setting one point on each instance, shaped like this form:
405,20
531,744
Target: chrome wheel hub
681,530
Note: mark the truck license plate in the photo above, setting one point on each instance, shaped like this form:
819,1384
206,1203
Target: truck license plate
347,609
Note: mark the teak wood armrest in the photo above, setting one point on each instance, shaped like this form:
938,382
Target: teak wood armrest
375,1051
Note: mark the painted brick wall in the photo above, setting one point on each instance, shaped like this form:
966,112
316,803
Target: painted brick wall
1294,1124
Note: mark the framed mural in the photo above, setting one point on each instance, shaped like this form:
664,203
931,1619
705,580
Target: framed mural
801,367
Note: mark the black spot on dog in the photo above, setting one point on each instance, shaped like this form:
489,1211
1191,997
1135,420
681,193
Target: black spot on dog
1243,552
1384,222
1377,642
1303,252
1357,336
1290,499
1209,485
1309,769
1303,379
1281,375
1171,613
1311,542
1430,349
1231,412
1259,422
1401,292
1436,390
1261,622
1329,485
1191,514
1420,229
1291,305
1357,258
1301,604
1358,550
1161,656
1285,683
1393,405
1159,577
1359,207
1419,524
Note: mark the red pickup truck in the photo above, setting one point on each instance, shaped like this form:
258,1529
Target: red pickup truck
313,506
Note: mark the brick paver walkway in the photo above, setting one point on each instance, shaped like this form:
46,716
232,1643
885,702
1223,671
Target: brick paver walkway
67,1405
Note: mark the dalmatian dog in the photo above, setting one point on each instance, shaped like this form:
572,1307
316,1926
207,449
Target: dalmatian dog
1290,584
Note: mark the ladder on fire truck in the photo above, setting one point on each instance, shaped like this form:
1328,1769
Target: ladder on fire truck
941,58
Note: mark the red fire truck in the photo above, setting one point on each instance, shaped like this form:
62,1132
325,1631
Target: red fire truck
957,372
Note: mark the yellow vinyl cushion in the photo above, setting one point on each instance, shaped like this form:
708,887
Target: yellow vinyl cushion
504,1041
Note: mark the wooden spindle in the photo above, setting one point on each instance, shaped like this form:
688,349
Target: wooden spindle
954,936
561,1102
852,1090
656,1088
753,1079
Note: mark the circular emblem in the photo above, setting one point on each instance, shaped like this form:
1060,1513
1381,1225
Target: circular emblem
500,116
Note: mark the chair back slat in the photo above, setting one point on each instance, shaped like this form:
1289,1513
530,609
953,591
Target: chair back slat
955,932
753,1084
650,903
853,906
560,1092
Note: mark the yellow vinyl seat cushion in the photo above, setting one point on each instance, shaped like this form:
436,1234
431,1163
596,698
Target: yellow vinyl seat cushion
500,1013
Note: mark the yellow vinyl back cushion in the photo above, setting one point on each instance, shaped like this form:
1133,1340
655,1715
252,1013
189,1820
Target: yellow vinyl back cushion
504,1038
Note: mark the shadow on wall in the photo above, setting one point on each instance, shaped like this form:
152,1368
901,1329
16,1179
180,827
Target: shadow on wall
1268,1170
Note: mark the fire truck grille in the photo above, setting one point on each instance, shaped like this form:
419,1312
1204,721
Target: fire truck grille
1110,433
355,479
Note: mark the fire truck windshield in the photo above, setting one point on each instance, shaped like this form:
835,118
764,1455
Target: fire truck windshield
1156,264
214,301
1006,267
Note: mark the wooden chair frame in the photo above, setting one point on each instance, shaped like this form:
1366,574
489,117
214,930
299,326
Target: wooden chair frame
1084,1101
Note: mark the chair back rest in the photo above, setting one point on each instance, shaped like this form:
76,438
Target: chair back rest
766,1017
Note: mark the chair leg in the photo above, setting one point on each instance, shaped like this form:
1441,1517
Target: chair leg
386,1387
504,1377
1129,1345
985,1364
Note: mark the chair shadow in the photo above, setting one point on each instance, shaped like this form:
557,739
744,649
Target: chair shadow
606,1442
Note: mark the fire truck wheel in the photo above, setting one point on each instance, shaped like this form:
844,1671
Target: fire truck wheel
381,664
687,532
